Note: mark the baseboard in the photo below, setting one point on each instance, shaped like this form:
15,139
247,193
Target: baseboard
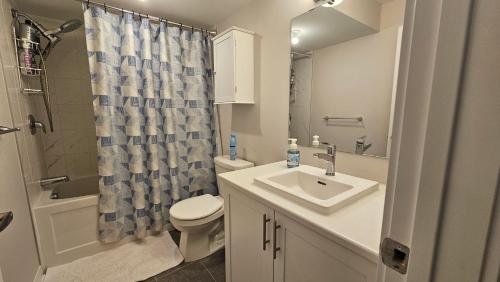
38,275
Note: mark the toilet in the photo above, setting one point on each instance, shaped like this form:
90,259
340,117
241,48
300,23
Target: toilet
200,219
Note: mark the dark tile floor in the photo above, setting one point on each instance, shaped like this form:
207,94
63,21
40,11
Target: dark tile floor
208,269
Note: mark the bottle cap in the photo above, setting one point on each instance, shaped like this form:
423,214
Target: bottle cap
293,143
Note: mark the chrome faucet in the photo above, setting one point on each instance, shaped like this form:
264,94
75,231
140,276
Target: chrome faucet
361,145
53,180
331,151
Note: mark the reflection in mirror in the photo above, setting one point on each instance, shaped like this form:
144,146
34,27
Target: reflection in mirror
342,78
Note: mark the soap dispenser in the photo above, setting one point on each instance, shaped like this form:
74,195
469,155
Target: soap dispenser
315,142
293,154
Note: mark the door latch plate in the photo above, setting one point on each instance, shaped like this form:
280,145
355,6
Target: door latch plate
395,255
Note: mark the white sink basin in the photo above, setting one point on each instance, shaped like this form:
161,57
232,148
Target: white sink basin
310,186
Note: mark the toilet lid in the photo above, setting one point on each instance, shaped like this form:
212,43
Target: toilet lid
196,207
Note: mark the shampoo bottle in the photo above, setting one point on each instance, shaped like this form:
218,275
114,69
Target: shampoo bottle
233,153
293,158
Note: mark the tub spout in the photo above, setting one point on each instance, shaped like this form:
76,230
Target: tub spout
53,180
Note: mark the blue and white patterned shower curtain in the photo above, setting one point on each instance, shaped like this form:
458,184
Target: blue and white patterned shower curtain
153,104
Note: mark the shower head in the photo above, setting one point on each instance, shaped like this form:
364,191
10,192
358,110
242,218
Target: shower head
50,35
70,25
66,27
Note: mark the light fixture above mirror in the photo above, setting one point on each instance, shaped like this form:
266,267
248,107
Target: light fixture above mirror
332,3
295,36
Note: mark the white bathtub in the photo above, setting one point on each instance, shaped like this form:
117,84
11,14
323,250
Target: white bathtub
66,228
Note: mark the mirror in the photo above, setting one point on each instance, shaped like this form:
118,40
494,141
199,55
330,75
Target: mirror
343,78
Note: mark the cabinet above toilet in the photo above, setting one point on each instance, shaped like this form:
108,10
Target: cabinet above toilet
234,66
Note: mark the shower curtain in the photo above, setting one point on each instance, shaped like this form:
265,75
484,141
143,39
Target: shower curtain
154,117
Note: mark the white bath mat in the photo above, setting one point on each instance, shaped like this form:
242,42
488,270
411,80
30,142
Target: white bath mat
134,261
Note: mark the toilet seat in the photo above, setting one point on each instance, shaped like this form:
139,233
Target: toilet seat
196,208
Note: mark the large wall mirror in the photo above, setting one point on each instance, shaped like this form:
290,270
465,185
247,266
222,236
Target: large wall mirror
343,78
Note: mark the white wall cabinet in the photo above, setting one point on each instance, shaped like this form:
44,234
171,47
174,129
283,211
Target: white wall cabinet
265,245
234,66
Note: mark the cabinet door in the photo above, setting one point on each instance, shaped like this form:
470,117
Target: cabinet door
224,62
307,256
248,234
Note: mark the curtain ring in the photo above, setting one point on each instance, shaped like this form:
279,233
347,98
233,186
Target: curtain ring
105,8
88,3
192,29
123,14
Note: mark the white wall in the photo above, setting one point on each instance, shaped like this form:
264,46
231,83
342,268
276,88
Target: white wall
300,109
18,253
351,79
392,14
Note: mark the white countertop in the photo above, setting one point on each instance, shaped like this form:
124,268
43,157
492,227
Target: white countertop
356,226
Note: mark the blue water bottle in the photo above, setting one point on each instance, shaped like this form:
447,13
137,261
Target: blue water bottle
233,154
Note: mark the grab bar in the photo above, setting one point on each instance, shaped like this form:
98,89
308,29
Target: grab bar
359,119
53,180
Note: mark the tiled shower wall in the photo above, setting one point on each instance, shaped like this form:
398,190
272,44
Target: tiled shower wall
30,146
71,149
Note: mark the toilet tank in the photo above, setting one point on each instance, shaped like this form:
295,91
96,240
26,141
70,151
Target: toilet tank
224,164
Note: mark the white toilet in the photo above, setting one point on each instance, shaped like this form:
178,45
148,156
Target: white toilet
200,219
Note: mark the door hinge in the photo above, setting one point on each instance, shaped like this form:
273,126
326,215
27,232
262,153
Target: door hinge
395,255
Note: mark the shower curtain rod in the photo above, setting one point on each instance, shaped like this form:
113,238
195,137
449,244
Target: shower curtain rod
158,19
301,54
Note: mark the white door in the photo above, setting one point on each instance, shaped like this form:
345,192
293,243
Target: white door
18,253
303,256
249,247
444,169
224,63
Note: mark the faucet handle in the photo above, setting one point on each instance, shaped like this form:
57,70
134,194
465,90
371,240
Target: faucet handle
34,125
330,148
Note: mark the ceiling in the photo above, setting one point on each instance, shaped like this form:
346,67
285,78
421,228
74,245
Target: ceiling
322,27
203,13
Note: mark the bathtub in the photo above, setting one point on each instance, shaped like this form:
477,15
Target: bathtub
66,228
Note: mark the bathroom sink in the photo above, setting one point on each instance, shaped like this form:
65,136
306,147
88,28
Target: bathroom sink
310,186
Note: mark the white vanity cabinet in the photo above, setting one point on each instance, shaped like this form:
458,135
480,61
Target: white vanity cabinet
263,244
234,66
304,255
248,232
